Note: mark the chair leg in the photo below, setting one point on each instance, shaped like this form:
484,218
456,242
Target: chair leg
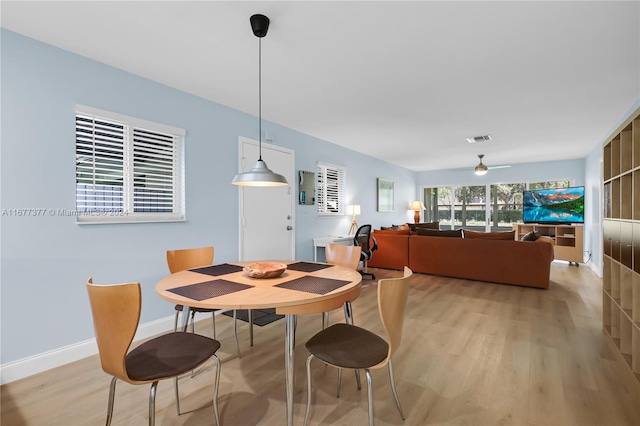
308,410
215,391
339,382
152,403
348,318
369,395
235,332
112,395
213,320
325,320
393,389
175,322
175,388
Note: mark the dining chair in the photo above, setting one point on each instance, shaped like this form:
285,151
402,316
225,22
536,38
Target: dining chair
353,347
343,255
116,315
180,260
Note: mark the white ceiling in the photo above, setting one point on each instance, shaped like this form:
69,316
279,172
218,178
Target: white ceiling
406,82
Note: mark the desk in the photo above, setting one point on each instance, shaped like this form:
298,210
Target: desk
264,293
323,241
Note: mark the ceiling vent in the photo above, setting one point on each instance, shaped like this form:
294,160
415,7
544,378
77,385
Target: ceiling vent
476,139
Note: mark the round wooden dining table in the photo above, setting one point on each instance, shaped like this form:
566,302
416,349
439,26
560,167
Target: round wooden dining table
303,288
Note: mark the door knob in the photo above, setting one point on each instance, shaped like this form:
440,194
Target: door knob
289,228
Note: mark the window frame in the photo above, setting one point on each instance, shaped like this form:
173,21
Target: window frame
322,200
132,129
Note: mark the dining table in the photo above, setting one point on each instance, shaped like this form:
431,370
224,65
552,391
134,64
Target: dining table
303,288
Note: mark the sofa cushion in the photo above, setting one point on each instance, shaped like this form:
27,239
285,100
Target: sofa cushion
531,236
457,233
391,231
428,225
402,226
509,235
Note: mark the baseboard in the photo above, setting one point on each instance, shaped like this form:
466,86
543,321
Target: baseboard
26,367
595,269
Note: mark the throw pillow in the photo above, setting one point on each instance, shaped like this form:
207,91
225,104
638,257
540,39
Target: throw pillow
385,228
531,236
403,226
509,235
457,233
428,225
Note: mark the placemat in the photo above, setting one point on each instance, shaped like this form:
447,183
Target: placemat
215,270
209,289
317,285
307,266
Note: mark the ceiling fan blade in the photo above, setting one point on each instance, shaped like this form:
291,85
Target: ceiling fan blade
498,167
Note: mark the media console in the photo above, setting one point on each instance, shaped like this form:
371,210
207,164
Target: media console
567,239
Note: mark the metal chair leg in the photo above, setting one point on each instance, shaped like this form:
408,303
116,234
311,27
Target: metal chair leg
369,395
393,389
175,322
152,403
325,320
215,391
348,318
213,320
339,382
177,392
308,410
112,395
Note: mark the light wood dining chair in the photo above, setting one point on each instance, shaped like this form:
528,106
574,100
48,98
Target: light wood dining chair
343,255
352,347
181,260
116,314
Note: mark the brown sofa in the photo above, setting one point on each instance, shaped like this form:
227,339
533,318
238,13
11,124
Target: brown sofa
526,263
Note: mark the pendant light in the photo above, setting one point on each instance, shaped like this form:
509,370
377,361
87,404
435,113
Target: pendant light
259,174
480,169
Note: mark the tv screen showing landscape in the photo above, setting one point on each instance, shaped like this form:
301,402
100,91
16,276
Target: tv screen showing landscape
561,205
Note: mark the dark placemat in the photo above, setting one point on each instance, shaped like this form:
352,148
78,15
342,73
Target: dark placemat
209,289
307,266
215,270
317,285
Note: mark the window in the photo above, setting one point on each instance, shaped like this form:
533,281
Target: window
127,169
331,186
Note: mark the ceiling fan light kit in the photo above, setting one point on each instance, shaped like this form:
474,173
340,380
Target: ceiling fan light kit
480,169
259,174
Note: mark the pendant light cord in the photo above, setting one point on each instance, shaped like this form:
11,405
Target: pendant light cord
259,99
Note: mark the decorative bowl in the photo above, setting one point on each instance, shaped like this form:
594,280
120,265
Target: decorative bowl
265,269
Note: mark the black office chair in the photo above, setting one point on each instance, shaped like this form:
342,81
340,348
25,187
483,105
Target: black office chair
368,245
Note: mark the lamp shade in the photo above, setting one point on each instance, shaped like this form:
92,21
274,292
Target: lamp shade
353,209
259,175
417,206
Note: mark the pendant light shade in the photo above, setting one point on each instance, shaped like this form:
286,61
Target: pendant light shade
480,169
259,174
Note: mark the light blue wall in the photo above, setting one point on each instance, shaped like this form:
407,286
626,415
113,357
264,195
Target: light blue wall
46,260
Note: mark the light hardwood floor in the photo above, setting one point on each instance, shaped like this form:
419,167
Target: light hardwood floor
473,353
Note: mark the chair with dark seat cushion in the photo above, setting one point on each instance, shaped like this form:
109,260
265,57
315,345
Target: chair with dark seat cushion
368,244
353,347
181,260
116,314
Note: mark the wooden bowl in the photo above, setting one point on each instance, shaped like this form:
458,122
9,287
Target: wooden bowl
265,269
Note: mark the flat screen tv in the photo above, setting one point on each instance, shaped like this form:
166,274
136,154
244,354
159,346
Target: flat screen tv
553,206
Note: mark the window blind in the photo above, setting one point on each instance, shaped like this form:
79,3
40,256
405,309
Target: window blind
331,190
127,170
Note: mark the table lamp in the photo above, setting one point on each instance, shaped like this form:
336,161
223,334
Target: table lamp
354,210
417,206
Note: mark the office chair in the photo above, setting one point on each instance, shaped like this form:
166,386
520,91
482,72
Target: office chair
116,315
353,347
368,244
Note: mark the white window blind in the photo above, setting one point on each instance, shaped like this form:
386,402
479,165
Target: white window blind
127,169
331,190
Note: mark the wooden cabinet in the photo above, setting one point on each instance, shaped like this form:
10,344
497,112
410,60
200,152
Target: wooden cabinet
621,241
567,239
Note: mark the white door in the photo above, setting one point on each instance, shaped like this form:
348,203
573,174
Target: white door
266,213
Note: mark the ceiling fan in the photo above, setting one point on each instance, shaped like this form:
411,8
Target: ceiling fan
481,168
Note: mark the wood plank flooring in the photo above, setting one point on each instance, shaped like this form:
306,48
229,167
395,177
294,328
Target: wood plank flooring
473,353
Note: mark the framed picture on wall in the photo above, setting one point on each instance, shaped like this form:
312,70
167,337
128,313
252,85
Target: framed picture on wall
385,195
